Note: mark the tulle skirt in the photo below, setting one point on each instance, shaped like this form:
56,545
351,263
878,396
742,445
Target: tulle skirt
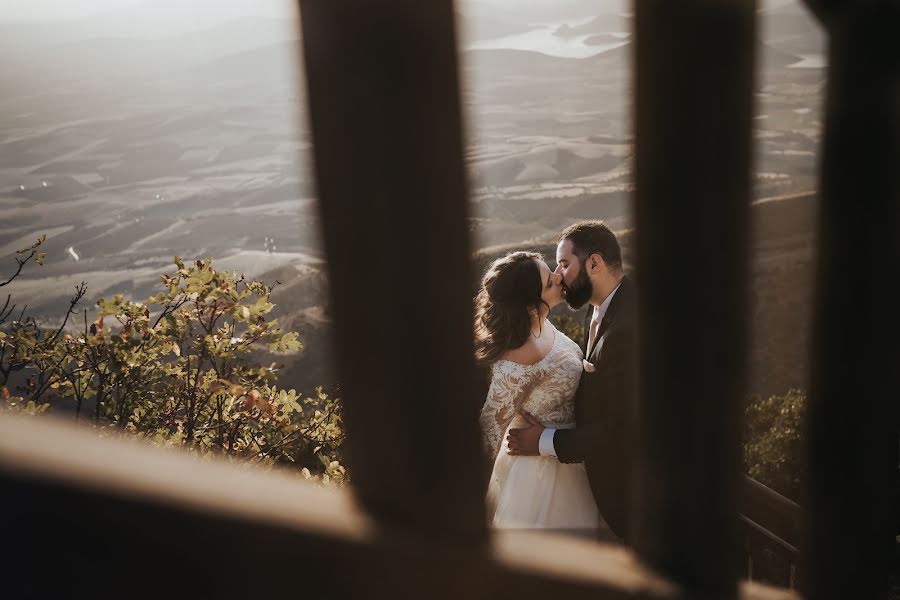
541,492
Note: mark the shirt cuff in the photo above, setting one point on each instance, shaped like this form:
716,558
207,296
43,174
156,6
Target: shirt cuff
545,445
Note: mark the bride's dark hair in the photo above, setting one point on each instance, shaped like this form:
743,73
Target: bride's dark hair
510,289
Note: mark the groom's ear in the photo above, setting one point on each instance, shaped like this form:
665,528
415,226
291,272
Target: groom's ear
594,261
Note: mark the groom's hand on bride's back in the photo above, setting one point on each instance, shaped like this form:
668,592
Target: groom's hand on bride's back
525,441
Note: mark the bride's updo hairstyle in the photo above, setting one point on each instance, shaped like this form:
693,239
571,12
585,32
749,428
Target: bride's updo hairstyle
510,290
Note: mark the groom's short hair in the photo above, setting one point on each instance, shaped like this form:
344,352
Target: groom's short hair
594,237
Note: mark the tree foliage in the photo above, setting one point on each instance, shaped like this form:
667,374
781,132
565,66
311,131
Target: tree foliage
177,369
569,323
773,441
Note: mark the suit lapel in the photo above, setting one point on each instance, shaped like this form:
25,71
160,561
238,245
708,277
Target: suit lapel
617,301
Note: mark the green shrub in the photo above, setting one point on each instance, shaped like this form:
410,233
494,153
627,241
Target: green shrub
568,322
177,370
773,443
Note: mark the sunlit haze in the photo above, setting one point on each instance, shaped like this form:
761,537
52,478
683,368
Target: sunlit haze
132,131
44,10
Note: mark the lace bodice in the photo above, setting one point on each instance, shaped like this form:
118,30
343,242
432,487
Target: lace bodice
545,389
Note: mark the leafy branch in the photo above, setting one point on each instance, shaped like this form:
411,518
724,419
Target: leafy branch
178,369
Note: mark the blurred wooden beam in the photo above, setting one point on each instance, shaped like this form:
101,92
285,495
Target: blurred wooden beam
117,517
694,88
384,108
104,518
855,392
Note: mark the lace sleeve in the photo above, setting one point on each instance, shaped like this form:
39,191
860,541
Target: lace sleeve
510,385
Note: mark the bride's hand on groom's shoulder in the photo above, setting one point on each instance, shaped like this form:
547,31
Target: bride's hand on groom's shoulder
525,441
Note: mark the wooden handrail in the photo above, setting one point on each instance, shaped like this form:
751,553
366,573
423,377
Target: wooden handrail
772,533
768,534
777,517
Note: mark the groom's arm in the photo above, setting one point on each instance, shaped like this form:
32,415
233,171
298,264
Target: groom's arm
573,445
545,443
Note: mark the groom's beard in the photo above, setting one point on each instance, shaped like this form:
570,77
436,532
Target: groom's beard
581,290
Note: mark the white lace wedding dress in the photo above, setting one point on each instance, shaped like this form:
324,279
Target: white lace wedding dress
536,491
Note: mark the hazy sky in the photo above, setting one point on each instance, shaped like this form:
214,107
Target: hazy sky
22,10
19,10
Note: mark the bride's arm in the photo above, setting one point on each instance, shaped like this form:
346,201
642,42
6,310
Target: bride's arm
510,385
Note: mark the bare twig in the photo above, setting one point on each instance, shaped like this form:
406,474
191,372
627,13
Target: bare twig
21,262
80,290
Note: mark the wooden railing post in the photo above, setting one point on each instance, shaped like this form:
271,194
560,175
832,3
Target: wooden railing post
386,125
855,391
694,83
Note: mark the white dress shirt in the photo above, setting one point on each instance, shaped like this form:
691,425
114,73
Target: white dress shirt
545,445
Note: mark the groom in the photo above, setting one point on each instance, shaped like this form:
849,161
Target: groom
590,260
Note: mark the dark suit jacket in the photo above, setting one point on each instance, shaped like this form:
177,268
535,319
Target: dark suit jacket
605,413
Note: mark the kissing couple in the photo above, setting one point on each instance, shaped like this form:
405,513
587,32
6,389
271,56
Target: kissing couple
558,419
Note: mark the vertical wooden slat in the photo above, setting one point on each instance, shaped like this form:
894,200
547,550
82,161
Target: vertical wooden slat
855,393
384,108
694,77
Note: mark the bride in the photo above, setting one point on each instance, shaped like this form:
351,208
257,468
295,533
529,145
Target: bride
535,370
